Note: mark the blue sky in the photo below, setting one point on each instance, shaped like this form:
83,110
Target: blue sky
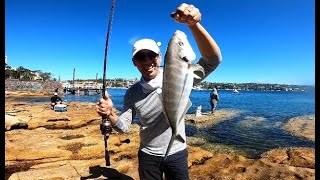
262,41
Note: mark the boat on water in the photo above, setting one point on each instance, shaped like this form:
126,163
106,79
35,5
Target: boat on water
235,91
197,88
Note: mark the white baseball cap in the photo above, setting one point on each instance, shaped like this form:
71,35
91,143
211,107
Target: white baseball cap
147,44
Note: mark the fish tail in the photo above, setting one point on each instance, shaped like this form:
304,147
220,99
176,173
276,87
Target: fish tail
197,68
169,147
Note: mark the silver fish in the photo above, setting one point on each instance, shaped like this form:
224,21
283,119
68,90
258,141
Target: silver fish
178,76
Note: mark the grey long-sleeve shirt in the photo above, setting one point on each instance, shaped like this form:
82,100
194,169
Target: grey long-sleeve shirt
155,131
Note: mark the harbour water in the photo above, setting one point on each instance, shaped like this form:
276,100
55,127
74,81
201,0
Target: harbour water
264,110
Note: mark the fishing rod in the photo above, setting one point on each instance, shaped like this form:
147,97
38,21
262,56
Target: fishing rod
105,126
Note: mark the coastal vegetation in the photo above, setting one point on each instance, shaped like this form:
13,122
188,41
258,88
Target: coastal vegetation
25,74
124,82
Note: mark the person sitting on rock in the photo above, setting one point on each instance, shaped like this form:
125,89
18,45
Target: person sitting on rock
55,99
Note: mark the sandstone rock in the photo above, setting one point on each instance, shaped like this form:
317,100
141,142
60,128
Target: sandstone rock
303,126
12,122
69,145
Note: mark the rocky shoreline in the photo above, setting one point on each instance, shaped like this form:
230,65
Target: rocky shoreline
39,141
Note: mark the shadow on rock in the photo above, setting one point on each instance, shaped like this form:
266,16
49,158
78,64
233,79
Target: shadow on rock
98,172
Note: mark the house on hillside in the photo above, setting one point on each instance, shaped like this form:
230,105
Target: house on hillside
36,76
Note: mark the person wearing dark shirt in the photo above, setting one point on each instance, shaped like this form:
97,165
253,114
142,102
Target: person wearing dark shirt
55,99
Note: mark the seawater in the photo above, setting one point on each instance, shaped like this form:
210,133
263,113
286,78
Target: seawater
273,107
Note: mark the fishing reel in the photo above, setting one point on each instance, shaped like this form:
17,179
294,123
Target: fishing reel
105,127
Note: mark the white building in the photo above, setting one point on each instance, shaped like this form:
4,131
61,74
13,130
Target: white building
66,85
37,76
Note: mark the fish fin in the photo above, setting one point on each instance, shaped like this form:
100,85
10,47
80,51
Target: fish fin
196,67
179,138
169,147
196,76
173,137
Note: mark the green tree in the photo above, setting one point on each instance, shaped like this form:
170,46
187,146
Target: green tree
7,66
8,71
45,76
24,73
27,76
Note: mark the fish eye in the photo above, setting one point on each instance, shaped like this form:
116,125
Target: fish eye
180,43
185,59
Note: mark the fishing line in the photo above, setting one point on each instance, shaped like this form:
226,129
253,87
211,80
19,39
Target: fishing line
113,3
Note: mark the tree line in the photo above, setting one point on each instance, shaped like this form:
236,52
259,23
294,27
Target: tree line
23,74
123,82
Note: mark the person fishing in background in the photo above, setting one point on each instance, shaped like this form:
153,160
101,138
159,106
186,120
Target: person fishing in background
55,99
142,100
214,98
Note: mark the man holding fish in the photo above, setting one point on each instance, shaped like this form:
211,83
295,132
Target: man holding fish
161,98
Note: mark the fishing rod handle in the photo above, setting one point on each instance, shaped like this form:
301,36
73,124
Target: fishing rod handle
106,129
106,152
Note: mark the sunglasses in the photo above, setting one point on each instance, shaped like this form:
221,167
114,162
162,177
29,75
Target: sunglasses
140,56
